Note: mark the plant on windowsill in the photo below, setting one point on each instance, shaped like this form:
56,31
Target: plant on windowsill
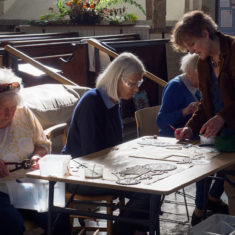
88,12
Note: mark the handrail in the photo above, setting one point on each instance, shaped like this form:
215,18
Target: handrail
147,74
28,59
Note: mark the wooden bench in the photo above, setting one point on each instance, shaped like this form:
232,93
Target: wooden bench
49,51
57,47
12,37
5,38
118,37
71,58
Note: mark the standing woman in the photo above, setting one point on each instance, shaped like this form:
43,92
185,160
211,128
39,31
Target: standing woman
197,33
97,124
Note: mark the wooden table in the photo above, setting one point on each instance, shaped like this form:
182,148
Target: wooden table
118,158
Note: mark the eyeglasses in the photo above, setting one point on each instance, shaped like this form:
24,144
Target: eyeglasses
132,85
9,86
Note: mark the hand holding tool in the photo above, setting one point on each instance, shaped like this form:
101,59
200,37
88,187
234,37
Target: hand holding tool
25,164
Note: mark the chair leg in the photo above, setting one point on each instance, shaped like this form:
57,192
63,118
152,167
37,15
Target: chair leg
109,222
121,203
186,206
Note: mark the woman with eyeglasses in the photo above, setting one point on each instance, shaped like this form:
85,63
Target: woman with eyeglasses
97,124
21,137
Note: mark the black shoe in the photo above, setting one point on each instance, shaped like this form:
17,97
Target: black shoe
218,207
195,219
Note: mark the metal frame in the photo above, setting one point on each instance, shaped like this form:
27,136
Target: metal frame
152,222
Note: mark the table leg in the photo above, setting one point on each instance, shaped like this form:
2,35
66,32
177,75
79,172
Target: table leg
205,196
50,206
154,215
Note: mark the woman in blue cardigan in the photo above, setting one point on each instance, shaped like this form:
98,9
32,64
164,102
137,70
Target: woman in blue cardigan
180,97
97,124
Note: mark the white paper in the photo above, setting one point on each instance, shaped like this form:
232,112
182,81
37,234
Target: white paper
226,18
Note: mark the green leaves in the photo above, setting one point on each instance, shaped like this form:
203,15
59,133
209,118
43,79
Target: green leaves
90,12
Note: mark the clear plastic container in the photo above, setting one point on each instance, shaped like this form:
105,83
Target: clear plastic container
55,165
93,171
33,194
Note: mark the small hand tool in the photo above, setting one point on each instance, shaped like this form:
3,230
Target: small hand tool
25,164
173,128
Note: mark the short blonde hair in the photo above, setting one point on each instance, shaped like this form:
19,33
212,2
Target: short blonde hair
8,76
189,63
121,67
192,24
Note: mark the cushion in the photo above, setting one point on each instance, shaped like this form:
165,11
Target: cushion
52,103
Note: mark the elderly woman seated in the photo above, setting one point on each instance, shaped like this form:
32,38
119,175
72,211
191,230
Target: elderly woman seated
21,137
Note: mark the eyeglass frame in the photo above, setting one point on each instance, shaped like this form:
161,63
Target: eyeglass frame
9,86
133,85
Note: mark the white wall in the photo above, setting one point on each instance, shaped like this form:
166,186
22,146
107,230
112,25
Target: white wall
174,9
5,5
26,9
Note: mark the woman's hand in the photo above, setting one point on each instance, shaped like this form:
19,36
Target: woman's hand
35,160
3,169
212,126
191,108
183,133
38,153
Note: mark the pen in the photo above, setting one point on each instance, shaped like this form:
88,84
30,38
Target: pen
173,128
80,163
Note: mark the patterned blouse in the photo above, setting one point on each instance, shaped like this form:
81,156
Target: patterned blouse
19,138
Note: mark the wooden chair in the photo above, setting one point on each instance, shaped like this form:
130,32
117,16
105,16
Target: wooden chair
146,121
146,125
107,200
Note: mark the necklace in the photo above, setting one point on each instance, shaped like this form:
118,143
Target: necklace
215,64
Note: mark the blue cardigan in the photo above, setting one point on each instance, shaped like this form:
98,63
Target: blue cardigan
93,126
175,97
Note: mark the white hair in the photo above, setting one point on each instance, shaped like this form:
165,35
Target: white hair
8,76
189,63
121,67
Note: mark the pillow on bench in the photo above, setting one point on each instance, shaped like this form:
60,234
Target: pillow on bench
52,103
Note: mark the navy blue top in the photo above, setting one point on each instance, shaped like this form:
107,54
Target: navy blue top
217,100
176,97
96,124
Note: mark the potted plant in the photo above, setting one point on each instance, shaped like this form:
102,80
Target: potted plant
89,12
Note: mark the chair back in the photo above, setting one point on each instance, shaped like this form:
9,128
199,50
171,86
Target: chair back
57,134
146,121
